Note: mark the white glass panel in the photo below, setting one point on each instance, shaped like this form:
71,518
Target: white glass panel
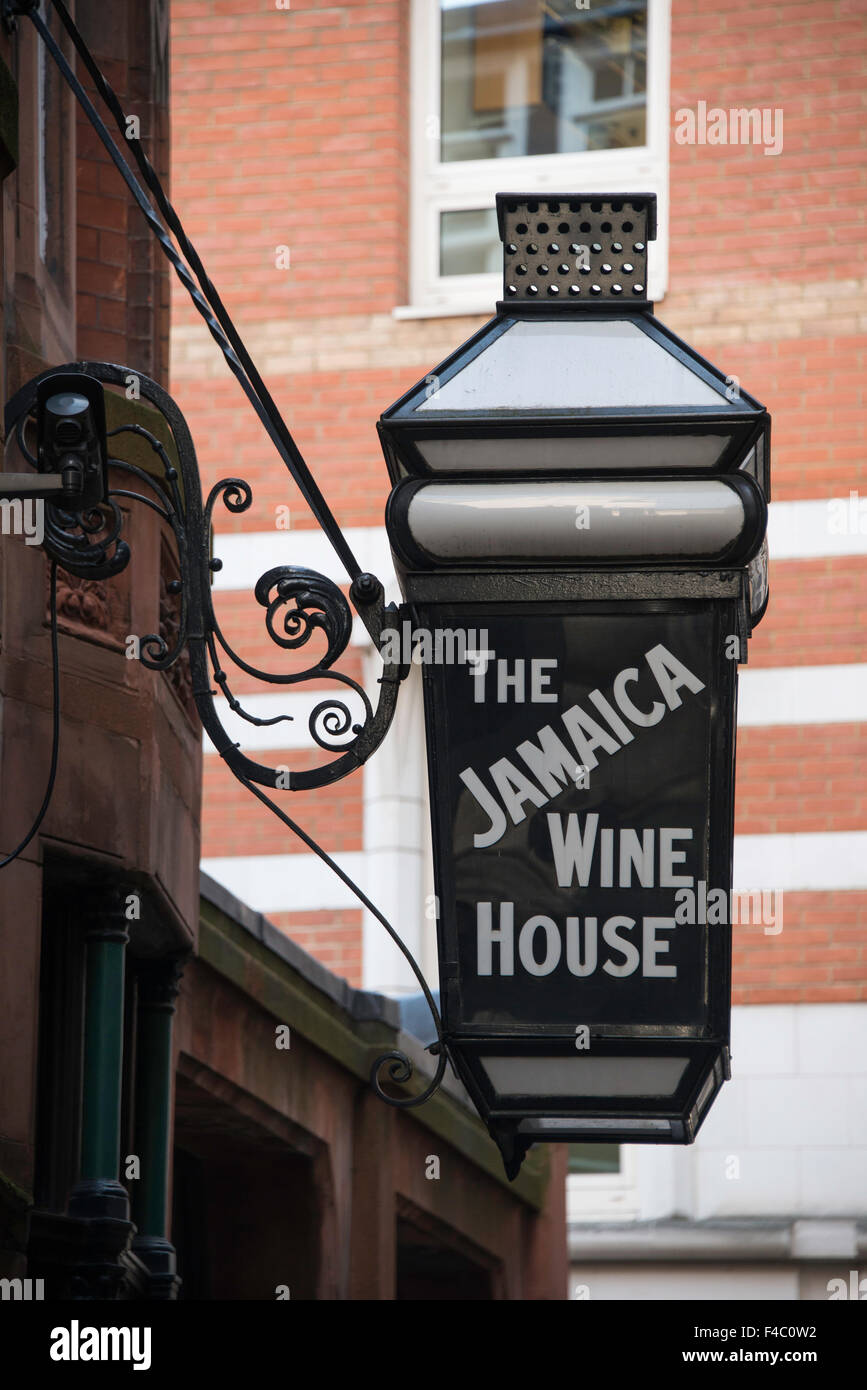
646,453
593,1124
585,1076
571,364
466,521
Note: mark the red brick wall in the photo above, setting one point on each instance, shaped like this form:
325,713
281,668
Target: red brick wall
819,955
123,292
290,129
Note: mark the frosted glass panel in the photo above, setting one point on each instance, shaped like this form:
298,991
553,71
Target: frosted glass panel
647,453
466,521
572,364
585,1076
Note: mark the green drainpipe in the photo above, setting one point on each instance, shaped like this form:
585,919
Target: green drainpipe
158,985
98,1192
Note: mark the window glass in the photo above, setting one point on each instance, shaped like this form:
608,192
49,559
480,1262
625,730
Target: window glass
470,242
541,77
594,1158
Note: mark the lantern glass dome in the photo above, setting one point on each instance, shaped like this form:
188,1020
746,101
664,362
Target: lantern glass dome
572,364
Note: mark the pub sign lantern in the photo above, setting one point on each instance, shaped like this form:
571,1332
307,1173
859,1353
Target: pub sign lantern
578,521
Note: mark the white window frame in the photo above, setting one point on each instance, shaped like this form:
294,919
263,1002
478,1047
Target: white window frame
472,184
605,1196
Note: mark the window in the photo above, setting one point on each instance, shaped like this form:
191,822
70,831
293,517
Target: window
602,1184
527,95
594,1158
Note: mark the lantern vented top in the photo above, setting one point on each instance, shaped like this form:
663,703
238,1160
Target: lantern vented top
580,249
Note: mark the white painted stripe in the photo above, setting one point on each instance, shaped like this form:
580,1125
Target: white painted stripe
796,531
805,862
803,695
298,704
778,695
827,526
247,554
302,883
288,882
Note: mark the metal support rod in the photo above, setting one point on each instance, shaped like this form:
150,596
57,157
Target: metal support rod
36,485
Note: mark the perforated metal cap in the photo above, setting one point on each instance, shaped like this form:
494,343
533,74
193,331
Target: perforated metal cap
576,248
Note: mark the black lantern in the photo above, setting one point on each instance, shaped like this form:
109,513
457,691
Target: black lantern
577,518
578,523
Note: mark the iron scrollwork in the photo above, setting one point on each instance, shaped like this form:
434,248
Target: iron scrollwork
300,605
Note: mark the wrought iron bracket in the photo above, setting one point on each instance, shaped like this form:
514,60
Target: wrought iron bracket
300,604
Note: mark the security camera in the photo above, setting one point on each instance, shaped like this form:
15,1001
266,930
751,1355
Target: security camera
71,442
71,453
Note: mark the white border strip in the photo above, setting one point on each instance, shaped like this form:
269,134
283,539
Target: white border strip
827,861
779,695
247,554
809,530
806,862
802,695
289,882
796,531
299,705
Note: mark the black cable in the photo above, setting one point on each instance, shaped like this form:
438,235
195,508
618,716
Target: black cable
403,1070
55,725
248,377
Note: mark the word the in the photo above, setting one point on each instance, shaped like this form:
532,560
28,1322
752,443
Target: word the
738,126
513,685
